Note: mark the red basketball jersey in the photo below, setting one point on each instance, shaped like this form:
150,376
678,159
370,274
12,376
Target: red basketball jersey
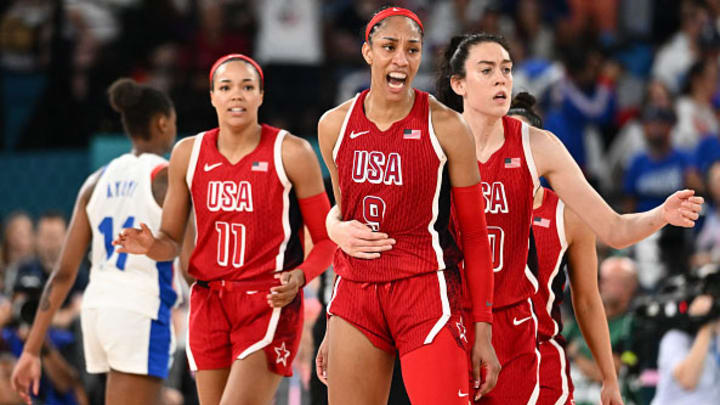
509,179
247,218
395,181
551,243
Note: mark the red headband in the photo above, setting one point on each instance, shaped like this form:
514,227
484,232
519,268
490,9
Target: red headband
236,56
389,12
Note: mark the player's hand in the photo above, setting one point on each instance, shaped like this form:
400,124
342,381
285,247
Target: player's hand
682,208
610,394
26,376
485,359
321,361
358,240
133,240
290,282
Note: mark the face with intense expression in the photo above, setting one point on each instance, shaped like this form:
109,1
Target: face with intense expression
487,85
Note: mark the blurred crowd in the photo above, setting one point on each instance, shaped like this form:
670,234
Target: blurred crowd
631,87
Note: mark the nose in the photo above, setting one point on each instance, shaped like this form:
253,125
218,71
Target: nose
399,58
500,78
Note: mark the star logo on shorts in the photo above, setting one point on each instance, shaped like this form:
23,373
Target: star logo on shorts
282,354
461,330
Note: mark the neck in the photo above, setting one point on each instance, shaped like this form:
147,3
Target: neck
486,130
234,142
141,146
381,110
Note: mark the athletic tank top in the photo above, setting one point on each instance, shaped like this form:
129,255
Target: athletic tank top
509,179
123,198
395,181
549,230
247,219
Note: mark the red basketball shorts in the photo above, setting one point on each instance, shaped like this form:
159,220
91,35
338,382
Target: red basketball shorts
556,386
514,338
232,320
403,314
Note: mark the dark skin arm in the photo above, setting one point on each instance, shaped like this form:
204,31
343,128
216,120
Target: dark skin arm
26,375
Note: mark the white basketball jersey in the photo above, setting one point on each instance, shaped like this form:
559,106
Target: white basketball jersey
123,198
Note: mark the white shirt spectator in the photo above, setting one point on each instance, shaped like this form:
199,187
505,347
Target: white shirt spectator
672,62
694,121
289,32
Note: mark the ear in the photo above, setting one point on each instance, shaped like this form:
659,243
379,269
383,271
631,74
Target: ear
458,85
162,122
212,98
262,97
366,53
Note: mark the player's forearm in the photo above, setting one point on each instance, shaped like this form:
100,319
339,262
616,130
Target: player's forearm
55,292
333,218
164,248
593,325
629,229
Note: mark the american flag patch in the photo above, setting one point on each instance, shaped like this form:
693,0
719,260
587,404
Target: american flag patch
411,134
259,167
511,163
544,222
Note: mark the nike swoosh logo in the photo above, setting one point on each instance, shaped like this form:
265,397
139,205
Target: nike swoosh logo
210,167
460,394
517,322
354,134
251,292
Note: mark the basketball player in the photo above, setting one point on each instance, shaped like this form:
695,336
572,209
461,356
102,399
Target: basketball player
252,187
562,239
126,306
393,153
477,79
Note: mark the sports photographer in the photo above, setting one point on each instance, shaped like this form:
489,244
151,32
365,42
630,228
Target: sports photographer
689,366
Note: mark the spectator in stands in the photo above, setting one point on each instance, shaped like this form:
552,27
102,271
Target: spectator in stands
689,363
17,246
618,282
707,242
696,115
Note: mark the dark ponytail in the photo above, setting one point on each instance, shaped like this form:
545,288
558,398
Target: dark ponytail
137,105
453,64
523,104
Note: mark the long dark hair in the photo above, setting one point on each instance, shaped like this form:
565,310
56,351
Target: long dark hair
454,64
137,105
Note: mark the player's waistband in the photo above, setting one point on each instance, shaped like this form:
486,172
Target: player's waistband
220,286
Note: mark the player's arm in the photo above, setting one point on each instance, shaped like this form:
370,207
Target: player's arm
26,375
166,245
458,144
554,162
588,306
303,171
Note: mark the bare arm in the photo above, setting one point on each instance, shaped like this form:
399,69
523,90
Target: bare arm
589,310
26,375
328,133
555,163
166,245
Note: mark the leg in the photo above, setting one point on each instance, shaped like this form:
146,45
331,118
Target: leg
437,373
123,388
250,381
358,372
210,385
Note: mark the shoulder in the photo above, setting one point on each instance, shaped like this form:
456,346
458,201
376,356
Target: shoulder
332,120
449,125
294,147
88,186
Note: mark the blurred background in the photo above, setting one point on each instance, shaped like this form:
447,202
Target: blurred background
631,87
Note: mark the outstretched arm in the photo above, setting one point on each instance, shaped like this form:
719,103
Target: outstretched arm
589,310
166,245
554,162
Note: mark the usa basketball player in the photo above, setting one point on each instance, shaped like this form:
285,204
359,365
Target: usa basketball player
477,80
393,153
252,187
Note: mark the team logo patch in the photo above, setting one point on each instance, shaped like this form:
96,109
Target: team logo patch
412,134
259,167
282,354
512,163
544,222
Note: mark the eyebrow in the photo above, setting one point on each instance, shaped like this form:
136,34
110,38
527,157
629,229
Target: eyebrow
488,62
247,79
397,40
